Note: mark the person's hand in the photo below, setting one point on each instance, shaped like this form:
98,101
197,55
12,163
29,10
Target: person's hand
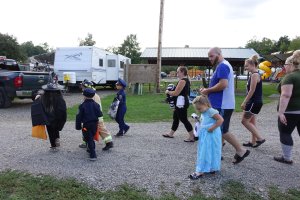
166,92
204,91
282,118
243,106
37,96
211,129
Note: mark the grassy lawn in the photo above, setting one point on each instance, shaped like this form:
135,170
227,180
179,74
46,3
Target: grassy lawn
17,185
151,107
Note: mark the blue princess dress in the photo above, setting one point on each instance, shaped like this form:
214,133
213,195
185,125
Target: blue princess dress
209,145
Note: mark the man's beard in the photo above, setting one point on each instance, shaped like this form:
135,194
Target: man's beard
215,61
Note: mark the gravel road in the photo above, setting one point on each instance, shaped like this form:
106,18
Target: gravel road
143,157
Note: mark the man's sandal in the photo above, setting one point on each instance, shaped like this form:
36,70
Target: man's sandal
283,160
239,159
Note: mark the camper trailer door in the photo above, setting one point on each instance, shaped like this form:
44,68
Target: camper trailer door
112,70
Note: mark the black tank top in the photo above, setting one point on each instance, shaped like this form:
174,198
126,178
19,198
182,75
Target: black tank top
257,95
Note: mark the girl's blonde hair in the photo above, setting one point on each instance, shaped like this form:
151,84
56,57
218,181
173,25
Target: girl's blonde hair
289,60
202,100
253,60
296,59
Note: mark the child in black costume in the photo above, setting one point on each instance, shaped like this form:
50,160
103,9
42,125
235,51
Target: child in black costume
87,120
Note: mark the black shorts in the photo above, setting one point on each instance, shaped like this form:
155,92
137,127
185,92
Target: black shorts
226,114
253,108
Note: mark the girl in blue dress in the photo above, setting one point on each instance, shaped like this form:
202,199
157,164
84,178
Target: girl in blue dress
210,139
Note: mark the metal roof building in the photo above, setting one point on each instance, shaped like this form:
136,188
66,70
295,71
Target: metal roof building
196,56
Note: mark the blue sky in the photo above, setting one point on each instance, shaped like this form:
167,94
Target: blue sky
197,23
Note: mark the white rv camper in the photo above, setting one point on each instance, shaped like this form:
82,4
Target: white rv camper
74,64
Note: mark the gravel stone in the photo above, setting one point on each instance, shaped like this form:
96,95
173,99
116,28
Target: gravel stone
143,157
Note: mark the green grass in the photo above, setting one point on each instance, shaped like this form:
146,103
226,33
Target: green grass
151,107
17,185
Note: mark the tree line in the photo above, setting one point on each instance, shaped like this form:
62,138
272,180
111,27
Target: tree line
267,46
129,48
10,47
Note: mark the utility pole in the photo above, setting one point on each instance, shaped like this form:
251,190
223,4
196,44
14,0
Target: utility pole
161,19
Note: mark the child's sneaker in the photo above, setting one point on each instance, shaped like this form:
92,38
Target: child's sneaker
108,146
93,159
82,145
53,149
126,130
119,134
57,142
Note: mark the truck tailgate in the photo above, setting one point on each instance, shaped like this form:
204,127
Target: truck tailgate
34,80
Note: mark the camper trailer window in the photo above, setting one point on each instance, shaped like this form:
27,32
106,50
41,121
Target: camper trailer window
122,64
111,63
100,62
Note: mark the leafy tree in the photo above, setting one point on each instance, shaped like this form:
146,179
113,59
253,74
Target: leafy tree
9,47
88,41
30,50
130,48
46,47
295,44
283,44
112,49
264,47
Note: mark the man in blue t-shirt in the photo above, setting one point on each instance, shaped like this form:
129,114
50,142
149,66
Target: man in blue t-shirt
221,96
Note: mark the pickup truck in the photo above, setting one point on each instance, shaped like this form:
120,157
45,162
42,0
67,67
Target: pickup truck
18,84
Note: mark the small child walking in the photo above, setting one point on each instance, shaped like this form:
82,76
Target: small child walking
121,96
104,133
210,138
87,120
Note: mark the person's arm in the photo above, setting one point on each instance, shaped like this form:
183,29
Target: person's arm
219,120
286,93
178,89
254,80
221,85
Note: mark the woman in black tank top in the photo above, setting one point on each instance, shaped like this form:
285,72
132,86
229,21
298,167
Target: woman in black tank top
252,103
182,103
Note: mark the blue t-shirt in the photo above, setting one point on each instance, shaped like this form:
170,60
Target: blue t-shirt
224,99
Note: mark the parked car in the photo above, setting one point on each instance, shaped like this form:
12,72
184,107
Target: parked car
163,74
21,84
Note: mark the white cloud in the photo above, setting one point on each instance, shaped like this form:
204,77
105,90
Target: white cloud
225,23
239,9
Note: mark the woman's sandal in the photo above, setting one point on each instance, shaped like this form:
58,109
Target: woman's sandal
239,159
195,176
168,136
189,140
282,160
258,143
249,144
